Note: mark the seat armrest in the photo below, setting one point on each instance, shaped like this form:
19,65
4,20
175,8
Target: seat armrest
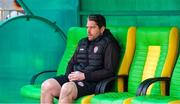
38,74
142,89
141,86
102,85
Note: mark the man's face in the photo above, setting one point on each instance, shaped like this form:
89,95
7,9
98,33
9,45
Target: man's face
93,30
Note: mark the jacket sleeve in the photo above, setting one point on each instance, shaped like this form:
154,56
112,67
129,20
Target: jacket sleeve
71,63
111,64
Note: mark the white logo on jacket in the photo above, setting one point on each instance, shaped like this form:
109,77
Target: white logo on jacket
81,49
95,49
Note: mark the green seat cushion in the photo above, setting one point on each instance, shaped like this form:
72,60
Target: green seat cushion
155,99
32,91
109,98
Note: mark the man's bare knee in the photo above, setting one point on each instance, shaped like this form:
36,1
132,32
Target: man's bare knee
69,90
50,85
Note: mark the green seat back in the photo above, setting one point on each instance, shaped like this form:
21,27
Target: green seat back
155,55
73,37
126,39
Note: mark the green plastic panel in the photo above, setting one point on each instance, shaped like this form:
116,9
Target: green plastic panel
110,98
29,44
115,5
133,12
74,35
62,12
153,100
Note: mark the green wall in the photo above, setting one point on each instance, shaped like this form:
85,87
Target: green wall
61,12
28,44
133,12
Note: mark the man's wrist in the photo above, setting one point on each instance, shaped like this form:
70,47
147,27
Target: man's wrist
87,76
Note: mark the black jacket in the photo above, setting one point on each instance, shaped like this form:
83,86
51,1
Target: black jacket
97,59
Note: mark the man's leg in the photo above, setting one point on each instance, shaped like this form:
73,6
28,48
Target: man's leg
49,89
68,93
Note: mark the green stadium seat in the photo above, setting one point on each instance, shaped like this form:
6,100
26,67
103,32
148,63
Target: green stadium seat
155,55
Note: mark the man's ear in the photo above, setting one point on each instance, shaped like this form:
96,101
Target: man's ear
102,29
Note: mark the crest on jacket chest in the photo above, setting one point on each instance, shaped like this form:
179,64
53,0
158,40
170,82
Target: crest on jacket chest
96,49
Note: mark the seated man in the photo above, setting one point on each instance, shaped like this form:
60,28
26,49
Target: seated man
96,58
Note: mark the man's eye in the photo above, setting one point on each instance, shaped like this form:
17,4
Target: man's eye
93,27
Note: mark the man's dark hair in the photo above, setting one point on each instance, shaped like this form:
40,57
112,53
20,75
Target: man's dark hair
99,19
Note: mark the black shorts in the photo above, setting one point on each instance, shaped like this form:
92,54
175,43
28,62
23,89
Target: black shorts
83,87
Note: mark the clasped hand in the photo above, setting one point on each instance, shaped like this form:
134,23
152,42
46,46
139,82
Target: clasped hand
76,76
